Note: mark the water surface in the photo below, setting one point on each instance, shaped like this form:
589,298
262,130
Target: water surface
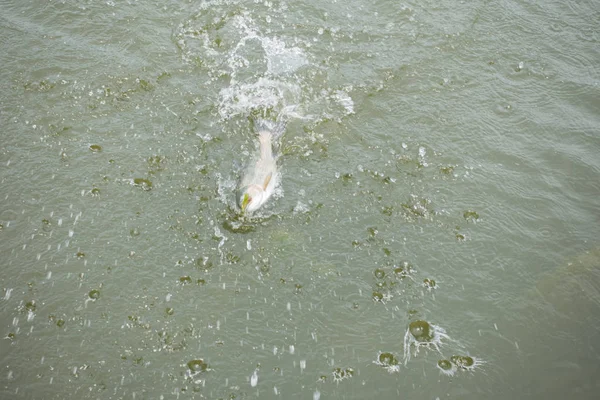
435,234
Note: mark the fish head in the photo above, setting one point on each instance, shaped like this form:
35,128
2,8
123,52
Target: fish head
251,198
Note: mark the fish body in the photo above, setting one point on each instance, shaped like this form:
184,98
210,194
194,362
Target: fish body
260,179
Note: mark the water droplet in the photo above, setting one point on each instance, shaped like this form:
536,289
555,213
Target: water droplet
520,66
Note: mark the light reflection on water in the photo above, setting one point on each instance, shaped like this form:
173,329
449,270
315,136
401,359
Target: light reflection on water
430,234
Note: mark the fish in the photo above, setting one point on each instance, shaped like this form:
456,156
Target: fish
260,179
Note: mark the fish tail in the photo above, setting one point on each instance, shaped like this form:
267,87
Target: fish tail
275,128
265,138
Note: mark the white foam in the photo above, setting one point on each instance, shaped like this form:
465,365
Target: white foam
344,100
264,93
282,59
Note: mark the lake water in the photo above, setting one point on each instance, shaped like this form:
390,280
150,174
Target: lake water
435,234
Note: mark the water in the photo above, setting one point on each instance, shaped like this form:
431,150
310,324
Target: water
435,234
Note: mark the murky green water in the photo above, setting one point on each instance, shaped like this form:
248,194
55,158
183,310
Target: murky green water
435,234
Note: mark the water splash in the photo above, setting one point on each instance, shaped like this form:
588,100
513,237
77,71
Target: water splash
446,367
422,334
466,363
241,99
254,69
341,374
254,378
388,361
